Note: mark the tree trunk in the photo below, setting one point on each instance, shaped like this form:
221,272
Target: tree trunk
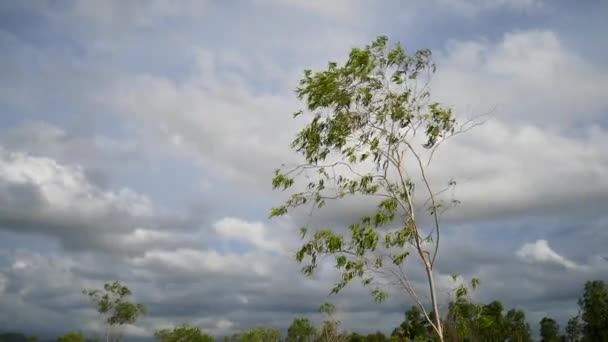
429,272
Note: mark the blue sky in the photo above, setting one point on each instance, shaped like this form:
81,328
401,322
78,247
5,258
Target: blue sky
138,139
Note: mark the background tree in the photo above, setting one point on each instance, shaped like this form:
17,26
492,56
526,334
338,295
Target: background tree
373,133
72,337
574,329
378,336
375,337
463,318
16,337
301,330
258,334
330,328
594,307
517,328
549,330
490,323
112,304
183,333
414,327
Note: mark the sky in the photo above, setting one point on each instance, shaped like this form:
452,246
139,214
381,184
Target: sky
138,141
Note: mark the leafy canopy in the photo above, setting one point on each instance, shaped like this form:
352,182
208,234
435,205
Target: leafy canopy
371,117
113,304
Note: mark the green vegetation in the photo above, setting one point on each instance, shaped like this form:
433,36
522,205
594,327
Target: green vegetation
72,337
113,306
465,321
183,333
372,135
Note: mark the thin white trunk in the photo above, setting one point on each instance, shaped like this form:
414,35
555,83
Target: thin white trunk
429,273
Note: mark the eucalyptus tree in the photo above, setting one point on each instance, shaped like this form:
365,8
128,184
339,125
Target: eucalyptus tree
112,303
373,133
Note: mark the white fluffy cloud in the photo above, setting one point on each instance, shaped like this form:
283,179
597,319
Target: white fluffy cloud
540,251
256,234
40,195
527,76
475,7
207,84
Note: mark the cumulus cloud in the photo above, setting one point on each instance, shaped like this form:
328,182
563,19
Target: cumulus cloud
475,7
540,251
525,76
255,234
39,195
93,87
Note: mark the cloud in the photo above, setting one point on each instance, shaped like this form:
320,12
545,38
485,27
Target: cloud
39,195
89,89
541,252
475,7
526,76
334,9
255,234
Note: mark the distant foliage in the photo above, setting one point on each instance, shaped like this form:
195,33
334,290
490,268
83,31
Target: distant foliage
465,321
72,337
183,333
549,330
16,337
594,307
258,334
301,330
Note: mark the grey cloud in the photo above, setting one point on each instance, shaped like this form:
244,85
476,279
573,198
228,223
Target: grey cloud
39,195
190,88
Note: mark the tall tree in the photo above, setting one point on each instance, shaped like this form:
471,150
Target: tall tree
373,134
594,307
183,333
549,330
112,303
301,330
517,328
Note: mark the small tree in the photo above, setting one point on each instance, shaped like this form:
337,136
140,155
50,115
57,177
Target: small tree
330,329
574,329
112,304
549,330
414,326
301,330
183,333
516,327
373,134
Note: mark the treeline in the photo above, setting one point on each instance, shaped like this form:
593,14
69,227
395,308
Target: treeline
464,322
